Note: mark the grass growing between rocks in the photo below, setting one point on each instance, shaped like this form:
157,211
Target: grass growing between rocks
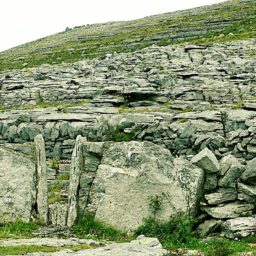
96,41
24,249
88,226
61,106
178,233
54,192
18,229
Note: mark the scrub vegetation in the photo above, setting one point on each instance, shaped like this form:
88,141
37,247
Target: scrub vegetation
228,21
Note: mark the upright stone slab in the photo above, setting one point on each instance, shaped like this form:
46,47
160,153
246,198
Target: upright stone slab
75,173
133,175
42,191
17,186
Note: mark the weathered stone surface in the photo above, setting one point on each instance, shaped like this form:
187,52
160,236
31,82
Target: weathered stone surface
249,174
247,192
208,227
17,186
75,172
231,210
149,241
41,170
231,176
206,160
222,195
48,242
132,173
139,96
211,181
239,227
226,162
118,249
58,214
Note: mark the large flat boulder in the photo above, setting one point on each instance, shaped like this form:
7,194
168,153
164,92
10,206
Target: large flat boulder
134,175
17,186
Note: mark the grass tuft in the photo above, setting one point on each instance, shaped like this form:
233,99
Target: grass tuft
88,226
18,229
177,231
24,249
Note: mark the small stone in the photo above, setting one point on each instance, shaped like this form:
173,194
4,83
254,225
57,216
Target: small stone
239,227
249,174
226,163
247,192
221,196
208,227
231,176
148,241
251,149
231,210
206,160
211,181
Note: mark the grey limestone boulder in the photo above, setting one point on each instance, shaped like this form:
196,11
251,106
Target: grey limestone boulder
17,186
133,174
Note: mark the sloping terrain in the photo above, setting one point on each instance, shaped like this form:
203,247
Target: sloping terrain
230,20
106,100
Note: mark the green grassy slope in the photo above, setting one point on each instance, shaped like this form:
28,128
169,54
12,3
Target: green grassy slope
230,20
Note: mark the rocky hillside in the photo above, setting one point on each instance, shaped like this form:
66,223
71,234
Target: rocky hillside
230,20
103,135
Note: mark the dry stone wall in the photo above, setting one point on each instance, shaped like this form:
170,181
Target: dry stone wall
195,102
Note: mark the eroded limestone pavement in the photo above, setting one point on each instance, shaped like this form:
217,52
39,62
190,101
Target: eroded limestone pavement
177,122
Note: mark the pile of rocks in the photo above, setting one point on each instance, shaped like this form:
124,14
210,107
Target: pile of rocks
229,197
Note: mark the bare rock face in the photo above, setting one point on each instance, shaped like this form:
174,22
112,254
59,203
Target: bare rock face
142,246
17,186
134,175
